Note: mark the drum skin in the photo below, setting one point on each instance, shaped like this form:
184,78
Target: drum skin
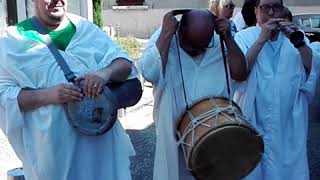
93,116
224,147
96,116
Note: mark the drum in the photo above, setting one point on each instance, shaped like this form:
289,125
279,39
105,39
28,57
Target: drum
96,116
217,141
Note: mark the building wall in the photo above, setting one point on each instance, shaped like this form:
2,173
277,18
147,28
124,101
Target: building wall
139,23
164,4
143,22
168,4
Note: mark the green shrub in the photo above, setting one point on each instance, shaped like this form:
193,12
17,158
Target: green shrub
131,45
97,9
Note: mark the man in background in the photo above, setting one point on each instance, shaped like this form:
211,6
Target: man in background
33,89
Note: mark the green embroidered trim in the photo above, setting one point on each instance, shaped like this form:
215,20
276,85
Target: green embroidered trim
61,38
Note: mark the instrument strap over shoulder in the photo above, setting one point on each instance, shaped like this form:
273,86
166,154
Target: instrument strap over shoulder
54,51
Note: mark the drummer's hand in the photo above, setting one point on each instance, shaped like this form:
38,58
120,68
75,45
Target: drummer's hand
93,83
169,25
64,93
223,26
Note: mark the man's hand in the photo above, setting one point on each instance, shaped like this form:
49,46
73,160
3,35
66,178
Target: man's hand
169,25
93,83
288,27
268,28
222,27
169,28
64,93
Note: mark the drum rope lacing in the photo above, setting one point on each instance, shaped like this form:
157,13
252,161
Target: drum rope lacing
202,118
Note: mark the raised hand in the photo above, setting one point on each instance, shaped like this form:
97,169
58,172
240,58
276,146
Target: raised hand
287,27
268,28
169,24
222,27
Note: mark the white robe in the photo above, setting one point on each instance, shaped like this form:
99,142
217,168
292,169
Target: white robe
239,21
275,99
203,77
316,46
50,149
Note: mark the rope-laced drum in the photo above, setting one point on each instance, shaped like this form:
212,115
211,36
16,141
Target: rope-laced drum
217,141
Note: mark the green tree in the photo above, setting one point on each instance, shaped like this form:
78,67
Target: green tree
97,9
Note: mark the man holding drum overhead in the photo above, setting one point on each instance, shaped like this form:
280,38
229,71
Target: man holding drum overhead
283,74
34,89
184,62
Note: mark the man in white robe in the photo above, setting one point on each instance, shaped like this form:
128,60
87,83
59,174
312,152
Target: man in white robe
203,74
34,120
276,95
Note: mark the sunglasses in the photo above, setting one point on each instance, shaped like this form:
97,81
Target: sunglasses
275,8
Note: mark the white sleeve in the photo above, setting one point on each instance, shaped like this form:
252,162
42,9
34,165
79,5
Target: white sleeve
114,52
241,42
11,117
309,86
150,65
104,49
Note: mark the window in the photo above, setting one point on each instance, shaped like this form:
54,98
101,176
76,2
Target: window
130,2
315,22
306,22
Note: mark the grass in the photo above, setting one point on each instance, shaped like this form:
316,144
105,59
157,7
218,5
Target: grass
131,45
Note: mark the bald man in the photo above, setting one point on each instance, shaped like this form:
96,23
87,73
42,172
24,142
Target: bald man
196,45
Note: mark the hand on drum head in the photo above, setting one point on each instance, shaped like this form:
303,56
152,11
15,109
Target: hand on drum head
92,84
64,93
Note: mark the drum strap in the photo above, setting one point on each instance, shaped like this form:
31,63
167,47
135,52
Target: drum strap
54,51
180,66
226,69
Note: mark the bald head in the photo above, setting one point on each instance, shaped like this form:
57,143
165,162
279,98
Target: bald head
196,31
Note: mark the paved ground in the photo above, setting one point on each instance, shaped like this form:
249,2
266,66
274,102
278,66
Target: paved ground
139,125
137,121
